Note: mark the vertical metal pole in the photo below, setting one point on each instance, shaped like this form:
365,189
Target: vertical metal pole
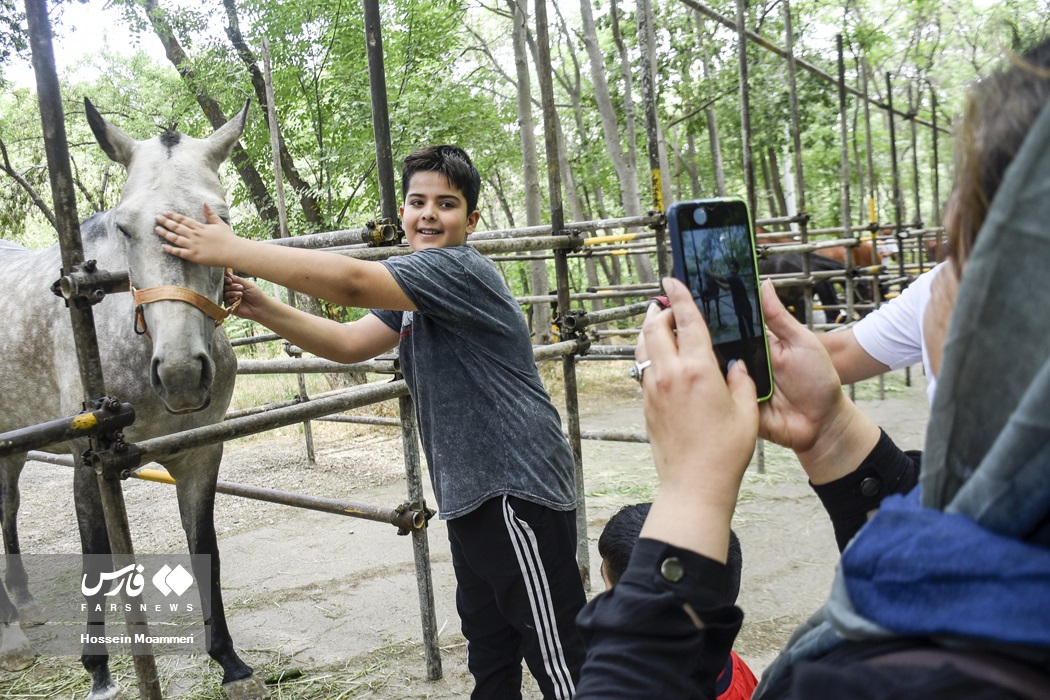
380,113
796,143
652,132
545,72
52,117
936,172
745,104
282,218
872,214
913,111
897,203
420,543
844,203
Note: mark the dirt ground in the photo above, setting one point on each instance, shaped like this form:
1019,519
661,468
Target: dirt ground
331,602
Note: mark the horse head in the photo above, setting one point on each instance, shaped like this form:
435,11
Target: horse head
171,172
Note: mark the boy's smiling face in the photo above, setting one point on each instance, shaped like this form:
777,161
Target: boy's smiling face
435,213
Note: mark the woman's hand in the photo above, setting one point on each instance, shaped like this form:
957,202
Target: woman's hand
702,427
808,412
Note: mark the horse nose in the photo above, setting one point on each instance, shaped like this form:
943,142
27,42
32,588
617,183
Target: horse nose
184,383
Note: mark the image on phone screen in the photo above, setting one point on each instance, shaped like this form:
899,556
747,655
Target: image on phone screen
715,257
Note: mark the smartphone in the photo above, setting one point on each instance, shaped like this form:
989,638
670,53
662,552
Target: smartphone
713,252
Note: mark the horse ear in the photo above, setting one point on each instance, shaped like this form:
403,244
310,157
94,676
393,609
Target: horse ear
117,145
221,142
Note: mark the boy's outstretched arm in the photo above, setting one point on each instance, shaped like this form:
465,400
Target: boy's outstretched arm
352,342
335,278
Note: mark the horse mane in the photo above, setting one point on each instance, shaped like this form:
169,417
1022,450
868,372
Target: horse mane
170,138
91,228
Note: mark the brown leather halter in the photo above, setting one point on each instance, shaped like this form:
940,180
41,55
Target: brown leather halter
173,293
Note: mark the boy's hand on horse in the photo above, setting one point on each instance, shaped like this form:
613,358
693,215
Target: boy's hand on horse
208,243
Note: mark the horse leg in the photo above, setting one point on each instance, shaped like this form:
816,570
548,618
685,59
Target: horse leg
196,473
94,541
828,298
16,579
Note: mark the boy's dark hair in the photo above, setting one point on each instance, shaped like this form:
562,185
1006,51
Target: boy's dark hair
450,161
621,533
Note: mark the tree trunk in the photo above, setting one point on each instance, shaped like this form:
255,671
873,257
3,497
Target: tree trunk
626,171
712,122
777,178
260,196
541,313
767,187
311,211
694,171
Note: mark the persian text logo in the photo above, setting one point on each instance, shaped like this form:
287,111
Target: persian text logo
130,575
166,580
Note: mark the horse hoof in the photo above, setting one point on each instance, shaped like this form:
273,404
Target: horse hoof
12,662
250,688
110,692
31,615
16,653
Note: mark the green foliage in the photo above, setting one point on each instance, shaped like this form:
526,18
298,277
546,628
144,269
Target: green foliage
449,78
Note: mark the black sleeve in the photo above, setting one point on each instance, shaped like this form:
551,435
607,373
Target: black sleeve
660,632
885,471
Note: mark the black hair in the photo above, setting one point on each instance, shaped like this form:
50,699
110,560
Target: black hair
450,161
621,533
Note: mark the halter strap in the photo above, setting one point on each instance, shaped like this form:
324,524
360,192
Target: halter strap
173,293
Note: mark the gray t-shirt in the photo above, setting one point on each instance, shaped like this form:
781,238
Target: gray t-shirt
487,424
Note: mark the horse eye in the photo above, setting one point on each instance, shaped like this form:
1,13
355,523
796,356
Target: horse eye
123,232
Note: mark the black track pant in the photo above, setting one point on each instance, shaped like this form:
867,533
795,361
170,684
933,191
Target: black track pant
518,594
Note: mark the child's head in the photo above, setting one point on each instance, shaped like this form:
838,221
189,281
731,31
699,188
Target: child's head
441,189
452,162
621,533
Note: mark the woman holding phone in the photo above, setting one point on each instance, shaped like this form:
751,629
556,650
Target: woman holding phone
945,593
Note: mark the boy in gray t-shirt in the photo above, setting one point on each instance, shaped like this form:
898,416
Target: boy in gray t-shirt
501,468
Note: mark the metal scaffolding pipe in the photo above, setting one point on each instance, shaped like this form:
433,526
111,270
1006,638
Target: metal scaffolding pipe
584,296
578,322
407,520
111,495
362,420
781,249
313,365
614,436
156,448
362,236
114,416
402,518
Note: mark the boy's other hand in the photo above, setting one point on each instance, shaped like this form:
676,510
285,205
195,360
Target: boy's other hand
206,243
251,298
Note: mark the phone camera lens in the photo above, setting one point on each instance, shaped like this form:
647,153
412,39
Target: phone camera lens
700,216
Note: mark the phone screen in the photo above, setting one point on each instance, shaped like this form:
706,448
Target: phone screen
713,247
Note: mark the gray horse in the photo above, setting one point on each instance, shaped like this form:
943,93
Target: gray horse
178,376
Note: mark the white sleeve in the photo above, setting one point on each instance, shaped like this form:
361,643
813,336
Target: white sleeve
892,334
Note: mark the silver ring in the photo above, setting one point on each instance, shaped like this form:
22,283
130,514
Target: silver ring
639,369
